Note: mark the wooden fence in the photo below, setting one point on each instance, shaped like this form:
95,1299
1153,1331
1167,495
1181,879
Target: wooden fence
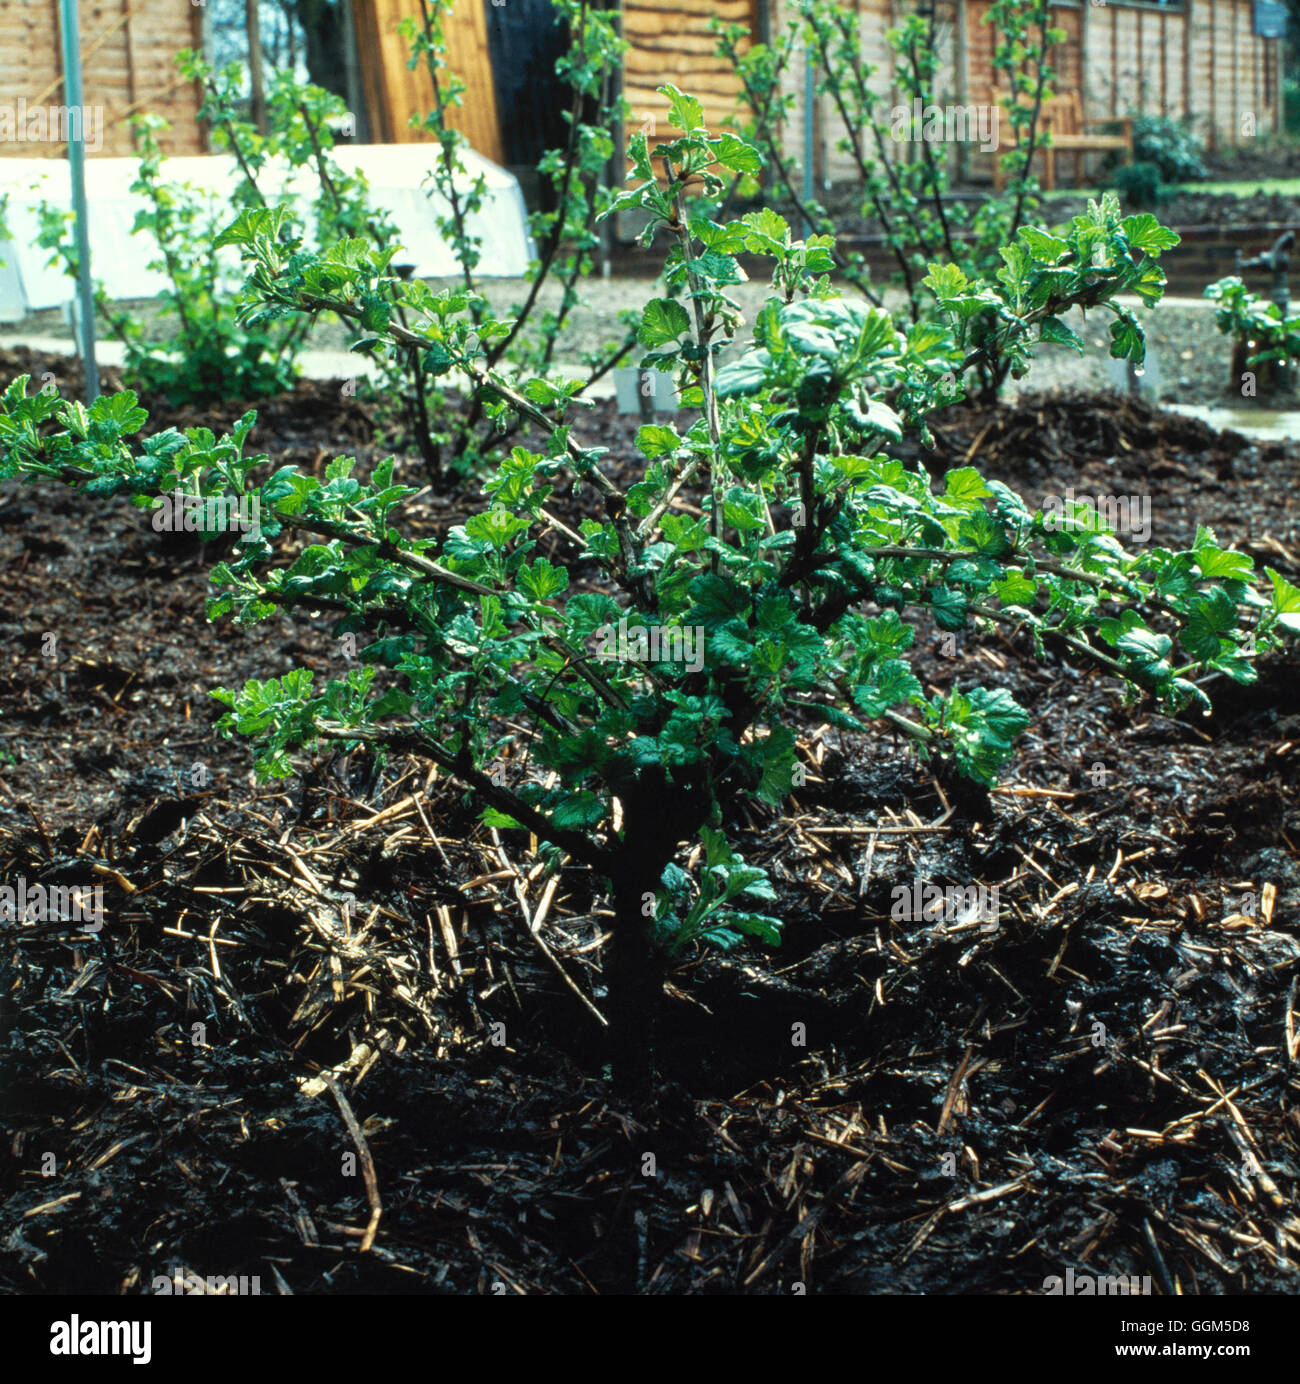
395,92
1197,61
127,52
671,42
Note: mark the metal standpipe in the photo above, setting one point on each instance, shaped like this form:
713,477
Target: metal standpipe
1276,261
71,37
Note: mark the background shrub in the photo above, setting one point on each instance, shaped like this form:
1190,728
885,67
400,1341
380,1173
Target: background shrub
1140,185
1171,146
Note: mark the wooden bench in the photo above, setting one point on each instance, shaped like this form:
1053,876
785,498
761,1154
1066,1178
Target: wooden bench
1062,117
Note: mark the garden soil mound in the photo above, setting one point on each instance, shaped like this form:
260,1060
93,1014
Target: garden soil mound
338,1036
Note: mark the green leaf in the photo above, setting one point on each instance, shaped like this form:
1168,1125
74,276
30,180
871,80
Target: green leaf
1016,589
1223,564
889,682
1054,330
582,811
1147,652
999,711
542,581
1286,601
1127,341
120,410
497,527
249,224
1047,248
758,925
662,320
747,375
733,153
964,486
541,392
638,151
950,608
1017,267
1213,614
945,281
718,600
655,440
684,112
1144,232
775,754
719,269
768,232
881,417
739,511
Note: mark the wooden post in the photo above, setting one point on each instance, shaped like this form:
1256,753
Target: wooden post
1213,139
200,35
374,72
130,53
255,65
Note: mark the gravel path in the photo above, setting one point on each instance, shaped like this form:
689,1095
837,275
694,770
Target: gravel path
1189,358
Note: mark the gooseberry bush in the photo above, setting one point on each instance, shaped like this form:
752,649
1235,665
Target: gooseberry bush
768,550
197,351
204,353
1256,326
905,175
460,435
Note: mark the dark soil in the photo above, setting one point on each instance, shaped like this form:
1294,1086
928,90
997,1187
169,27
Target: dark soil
1102,1079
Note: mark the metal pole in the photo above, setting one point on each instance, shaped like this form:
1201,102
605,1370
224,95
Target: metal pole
256,84
809,98
77,170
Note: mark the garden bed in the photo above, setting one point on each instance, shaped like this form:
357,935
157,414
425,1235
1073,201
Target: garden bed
1186,207
957,1122
1192,357
1213,225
